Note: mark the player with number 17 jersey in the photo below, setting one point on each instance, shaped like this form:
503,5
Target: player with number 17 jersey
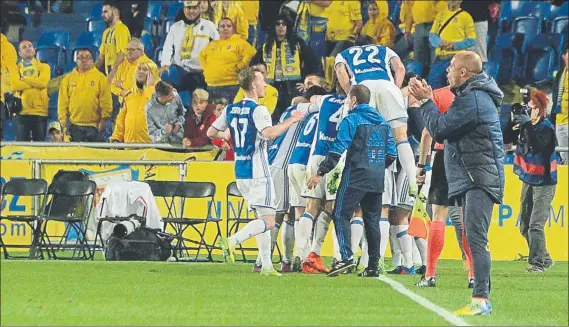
246,120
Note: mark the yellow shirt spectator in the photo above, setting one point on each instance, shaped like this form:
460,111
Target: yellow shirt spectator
29,83
131,125
423,12
125,75
269,100
115,40
84,98
380,28
251,10
223,59
8,62
233,11
563,116
459,34
342,18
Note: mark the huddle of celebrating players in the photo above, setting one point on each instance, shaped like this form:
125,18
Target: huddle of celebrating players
342,157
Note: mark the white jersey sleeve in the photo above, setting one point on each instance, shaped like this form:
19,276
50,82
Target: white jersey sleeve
221,123
262,118
340,60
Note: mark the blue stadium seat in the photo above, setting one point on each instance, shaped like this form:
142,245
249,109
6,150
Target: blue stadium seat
186,99
551,40
560,25
154,10
96,10
558,11
146,39
51,56
413,67
157,55
527,25
9,130
518,8
507,59
491,68
437,76
88,40
505,115
25,11
95,25
173,75
54,38
538,66
173,9
70,66
168,22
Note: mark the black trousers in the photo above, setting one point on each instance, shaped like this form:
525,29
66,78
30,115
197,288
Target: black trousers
31,128
287,91
85,134
347,201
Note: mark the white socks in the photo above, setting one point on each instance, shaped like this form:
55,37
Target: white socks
384,233
357,230
406,244
302,234
320,231
264,243
421,244
395,248
287,238
407,160
253,228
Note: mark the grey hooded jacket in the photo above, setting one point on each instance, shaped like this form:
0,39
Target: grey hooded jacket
158,115
470,130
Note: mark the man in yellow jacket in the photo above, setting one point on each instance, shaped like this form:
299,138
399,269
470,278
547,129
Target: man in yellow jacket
115,38
8,63
222,60
271,94
29,83
122,79
84,101
131,125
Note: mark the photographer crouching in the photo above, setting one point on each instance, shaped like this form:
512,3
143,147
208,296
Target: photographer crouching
535,163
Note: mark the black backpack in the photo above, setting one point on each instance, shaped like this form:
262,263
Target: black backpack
65,205
144,244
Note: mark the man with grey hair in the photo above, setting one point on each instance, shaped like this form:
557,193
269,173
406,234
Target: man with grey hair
165,115
473,156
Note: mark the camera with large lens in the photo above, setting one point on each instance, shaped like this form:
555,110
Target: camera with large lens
126,227
523,107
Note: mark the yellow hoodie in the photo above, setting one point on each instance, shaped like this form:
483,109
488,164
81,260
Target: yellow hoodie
84,98
422,12
126,72
222,60
8,62
234,12
131,125
29,83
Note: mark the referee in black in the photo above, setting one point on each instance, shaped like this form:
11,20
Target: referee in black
370,147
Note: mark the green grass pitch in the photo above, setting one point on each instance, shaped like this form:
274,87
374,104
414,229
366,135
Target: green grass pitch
139,293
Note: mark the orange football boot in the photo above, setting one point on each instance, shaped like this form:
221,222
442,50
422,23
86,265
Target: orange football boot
307,269
315,261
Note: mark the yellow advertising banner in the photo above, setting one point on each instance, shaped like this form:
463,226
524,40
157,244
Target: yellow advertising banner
506,242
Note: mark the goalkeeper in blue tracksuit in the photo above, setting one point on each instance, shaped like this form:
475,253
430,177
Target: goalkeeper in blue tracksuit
370,147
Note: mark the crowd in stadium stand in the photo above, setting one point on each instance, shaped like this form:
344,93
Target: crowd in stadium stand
118,90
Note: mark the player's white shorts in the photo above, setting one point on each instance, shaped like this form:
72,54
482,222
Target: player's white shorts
387,98
320,191
259,193
296,180
396,189
280,182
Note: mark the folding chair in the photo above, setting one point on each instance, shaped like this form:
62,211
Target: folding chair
35,189
76,218
237,216
193,191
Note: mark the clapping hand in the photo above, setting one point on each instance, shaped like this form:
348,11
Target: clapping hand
313,181
297,115
420,89
168,128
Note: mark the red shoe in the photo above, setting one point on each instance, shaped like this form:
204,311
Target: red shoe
315,261
307,269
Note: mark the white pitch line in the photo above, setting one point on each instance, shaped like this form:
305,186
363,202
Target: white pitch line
445,314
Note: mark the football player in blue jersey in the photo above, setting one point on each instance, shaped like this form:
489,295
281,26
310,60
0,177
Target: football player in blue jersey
250,128
381,70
